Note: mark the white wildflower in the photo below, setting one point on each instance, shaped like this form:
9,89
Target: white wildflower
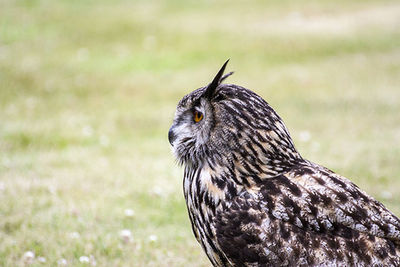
41,259
84,259
157,191
129,213
386,195
2,187
304,136
153,238
29,256
74,235
62,262
126,236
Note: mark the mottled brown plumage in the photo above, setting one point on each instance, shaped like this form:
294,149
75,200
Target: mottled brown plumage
254,201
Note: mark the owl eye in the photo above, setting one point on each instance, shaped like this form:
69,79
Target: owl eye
197,116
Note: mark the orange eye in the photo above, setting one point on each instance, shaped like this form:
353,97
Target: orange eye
198,116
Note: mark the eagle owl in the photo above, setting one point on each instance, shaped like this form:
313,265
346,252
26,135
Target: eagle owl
253,200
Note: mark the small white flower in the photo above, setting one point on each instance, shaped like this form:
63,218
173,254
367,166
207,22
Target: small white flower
62,262
74,235
41,259
129,213
304,136
29,256
157,191
153,238
126,235
2,187
386,195
84,259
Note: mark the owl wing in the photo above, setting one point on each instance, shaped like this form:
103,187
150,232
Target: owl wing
328,201
312,215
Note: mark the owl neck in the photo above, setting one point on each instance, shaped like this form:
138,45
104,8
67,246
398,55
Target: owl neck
239,163
254,156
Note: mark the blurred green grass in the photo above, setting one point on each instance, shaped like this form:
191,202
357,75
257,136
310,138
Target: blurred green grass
88,90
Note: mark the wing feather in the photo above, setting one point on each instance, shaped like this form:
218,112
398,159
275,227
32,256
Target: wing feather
309,214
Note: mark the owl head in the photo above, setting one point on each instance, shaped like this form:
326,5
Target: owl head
222,123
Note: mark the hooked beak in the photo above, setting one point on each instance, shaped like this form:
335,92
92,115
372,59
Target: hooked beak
171,135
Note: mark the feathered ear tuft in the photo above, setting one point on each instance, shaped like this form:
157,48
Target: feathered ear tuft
216,81
225,76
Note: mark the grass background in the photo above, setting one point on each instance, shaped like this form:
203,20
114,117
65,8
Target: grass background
88,91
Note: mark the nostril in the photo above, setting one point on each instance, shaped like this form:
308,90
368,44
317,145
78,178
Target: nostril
171,136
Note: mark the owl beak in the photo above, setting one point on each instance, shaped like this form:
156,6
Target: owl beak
171,136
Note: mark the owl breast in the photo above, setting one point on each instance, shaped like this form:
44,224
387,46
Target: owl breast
204,199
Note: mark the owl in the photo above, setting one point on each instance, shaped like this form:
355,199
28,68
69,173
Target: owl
253,200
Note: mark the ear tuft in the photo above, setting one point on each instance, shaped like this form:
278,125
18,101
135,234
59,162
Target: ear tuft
216,81
225,76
